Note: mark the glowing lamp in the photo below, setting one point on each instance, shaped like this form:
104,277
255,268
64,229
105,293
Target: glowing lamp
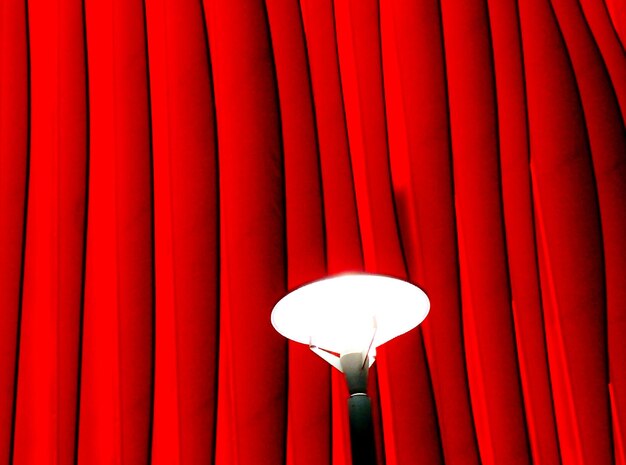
343,319
350,313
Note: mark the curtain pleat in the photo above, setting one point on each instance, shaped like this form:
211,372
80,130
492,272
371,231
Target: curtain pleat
186,222
14,154
419,151
252,388
615,9
566,208
606,142
117,372
517,205
169,169
47,383
492,364
608,45
308,381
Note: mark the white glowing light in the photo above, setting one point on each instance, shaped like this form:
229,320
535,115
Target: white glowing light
350,313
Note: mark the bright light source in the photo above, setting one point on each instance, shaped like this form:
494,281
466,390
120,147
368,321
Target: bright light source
350,313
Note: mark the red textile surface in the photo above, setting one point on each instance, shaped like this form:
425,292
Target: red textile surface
170,168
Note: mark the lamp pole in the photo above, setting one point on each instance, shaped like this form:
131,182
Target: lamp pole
360,409
339,315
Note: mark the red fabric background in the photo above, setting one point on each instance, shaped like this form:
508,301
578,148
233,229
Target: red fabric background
170,168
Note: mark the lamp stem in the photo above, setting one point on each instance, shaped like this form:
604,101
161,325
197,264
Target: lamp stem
359,409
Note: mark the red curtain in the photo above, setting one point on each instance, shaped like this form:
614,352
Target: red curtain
170,168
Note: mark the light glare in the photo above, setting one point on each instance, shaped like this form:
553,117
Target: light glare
341,314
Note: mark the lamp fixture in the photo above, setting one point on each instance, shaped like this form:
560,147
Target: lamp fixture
343,319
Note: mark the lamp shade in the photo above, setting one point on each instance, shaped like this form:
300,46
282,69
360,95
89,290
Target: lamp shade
350,313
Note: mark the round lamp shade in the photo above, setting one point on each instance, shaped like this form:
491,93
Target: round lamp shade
350,312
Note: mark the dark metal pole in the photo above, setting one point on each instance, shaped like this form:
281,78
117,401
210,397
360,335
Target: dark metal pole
360,410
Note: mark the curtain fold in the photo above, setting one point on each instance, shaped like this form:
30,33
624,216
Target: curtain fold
519,225
117,369
186,240
420,158
14,160
169,169
46,400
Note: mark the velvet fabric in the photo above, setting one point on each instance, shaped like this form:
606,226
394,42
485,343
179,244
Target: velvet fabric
169,169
